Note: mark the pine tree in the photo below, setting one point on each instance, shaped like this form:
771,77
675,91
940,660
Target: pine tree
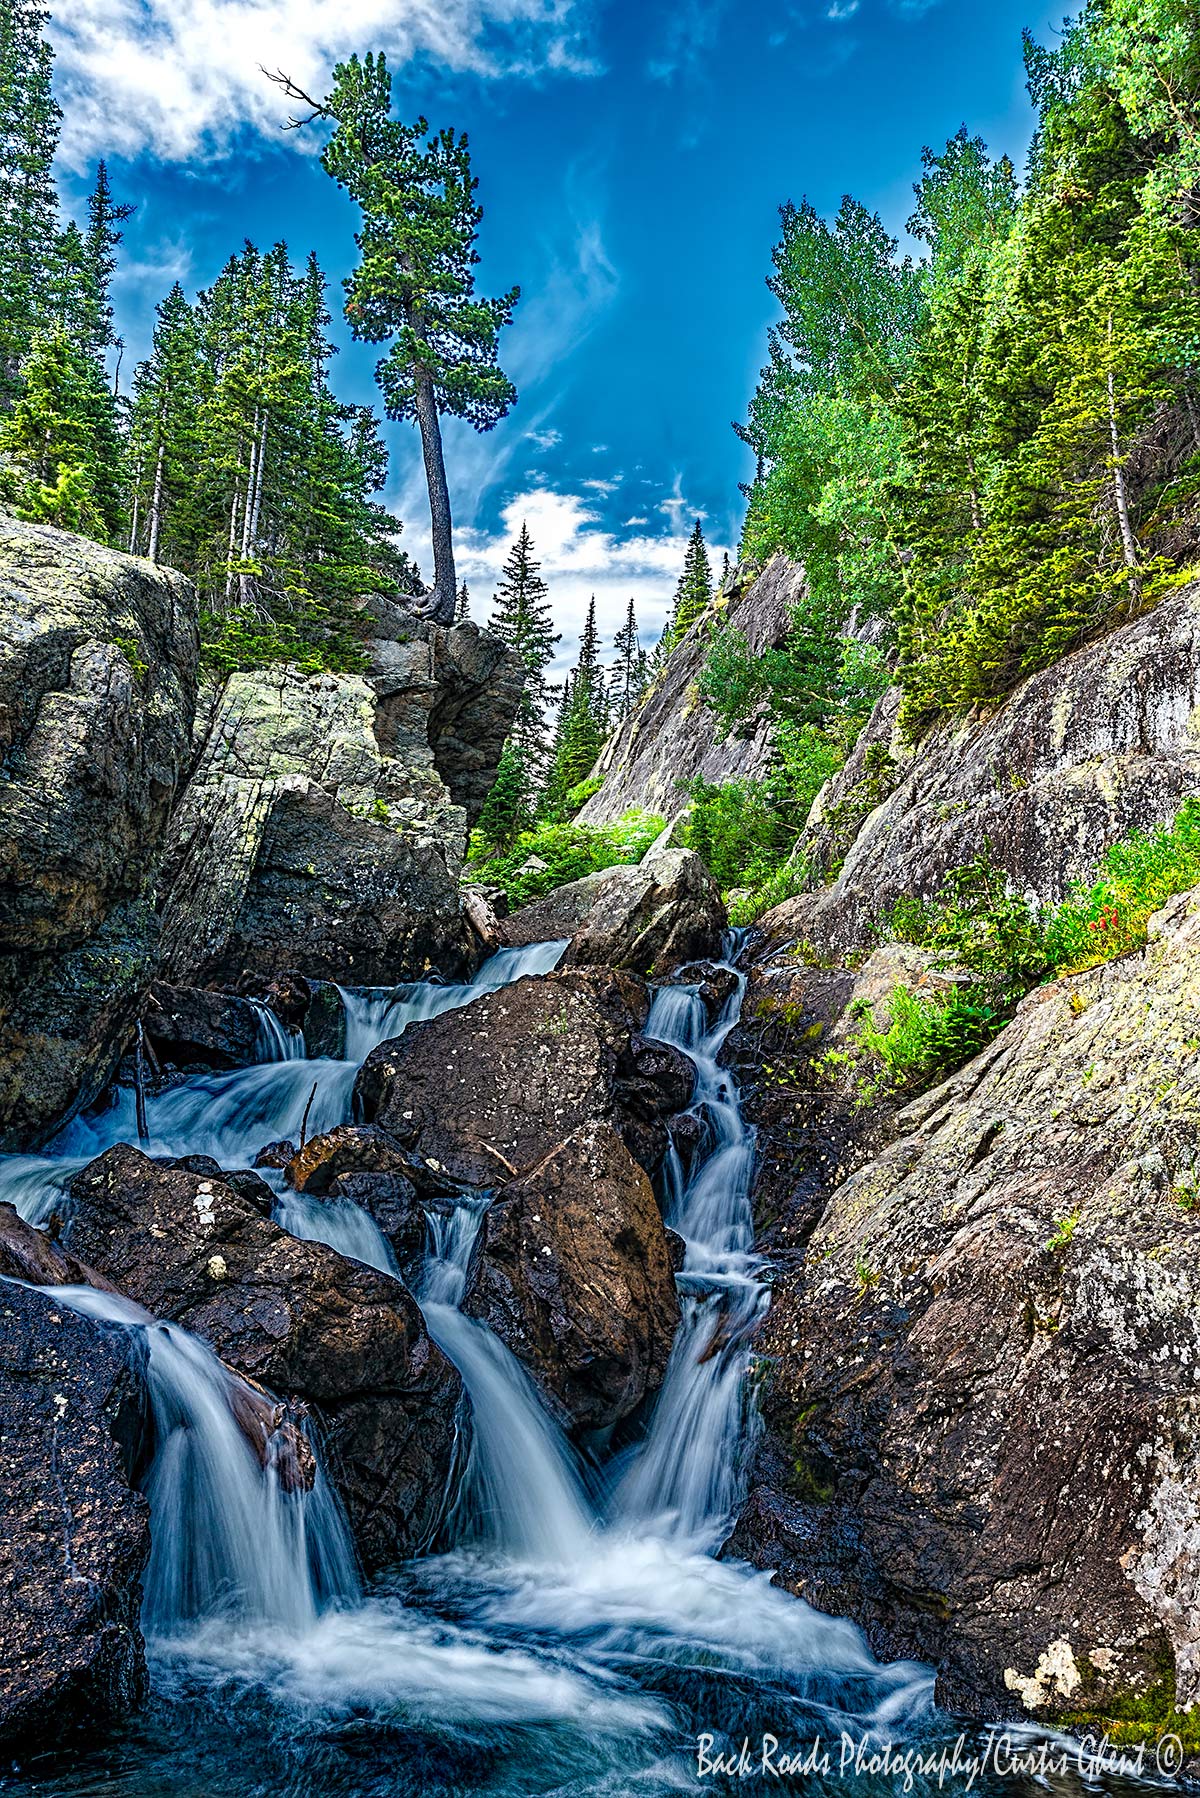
29,127
628,680
415,284
521,617
62,437
583,718
462,609
694,593
510,806
105,217
164,437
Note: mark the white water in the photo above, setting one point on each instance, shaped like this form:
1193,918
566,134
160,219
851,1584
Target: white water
227,1539
615,1635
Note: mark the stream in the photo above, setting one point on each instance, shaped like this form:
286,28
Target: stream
580,1636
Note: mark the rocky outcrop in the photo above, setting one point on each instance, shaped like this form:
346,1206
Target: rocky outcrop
325,826
1105,742
486,1092
98,659
573,1272
982,1401
672,738
74,1535
664,910
294,1316
189,1025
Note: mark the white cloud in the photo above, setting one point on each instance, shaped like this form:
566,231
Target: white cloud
179,77
842,9
596,485
581,556
544,440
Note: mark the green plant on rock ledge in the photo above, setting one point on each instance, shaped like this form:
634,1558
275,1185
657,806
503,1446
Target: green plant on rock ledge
553,854
925,1036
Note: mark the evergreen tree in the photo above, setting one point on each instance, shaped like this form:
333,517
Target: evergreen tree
62,437
522,618
462,609
29,127
415,283
630,670
164,437
583,717
105,218
694,593
510,806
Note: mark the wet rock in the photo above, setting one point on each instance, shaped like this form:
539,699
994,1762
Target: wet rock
984,1365
715,984
325,825
673,737
1103,743
295,1316
189,1025
395,1205
666,1070
324,1022
31,1255
74,1535
489,1090
350,1149
573,1272
664,910
275,1154
289,995
98,657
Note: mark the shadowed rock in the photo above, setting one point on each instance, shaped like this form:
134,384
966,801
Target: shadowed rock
664,910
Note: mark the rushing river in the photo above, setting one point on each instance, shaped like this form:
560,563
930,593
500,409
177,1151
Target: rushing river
580,1638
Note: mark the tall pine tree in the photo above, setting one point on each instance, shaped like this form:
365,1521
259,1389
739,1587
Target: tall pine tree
694,593
30,121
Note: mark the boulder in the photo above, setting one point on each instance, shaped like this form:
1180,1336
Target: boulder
98,659
649,917
187,1025
1105,742
296,1317
325,825
573,1272
74,1534
673,737
487,1091
715,983
983,1398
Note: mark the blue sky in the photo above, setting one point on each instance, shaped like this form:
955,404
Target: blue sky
632,156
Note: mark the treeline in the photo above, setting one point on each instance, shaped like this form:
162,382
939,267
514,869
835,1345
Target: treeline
545,773
229,456
987,455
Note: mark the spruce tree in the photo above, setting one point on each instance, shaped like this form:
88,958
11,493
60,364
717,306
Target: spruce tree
62,437
462,608
30,121
509,808
522,618
628,680
415,284
105,218
583,717
694,593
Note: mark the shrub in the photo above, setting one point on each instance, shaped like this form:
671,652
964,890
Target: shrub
1137,877
925,1036
568,850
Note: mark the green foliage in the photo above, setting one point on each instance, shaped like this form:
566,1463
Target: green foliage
978,925
1064,1229
509,807
694,592
787,881
62,439
926,1035
569,851
969,450
583,721
1137,877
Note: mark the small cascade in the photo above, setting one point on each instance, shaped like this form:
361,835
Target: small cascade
521,1494
685,1481
227,1539
276,1041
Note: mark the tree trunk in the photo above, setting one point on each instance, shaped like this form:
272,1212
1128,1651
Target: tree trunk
156,507
233,516
1128,541
441,602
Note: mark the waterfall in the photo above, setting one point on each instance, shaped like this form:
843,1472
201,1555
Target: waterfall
686,1480
226,1538
520,1494
276,1041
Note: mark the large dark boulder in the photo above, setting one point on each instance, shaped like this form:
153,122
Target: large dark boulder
189,1024
74,1534
573,1272
98,659
983,1399
487,1091
295,1316
649,917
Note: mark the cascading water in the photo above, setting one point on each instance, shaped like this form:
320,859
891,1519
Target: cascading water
228,1540
553,1650
686,1479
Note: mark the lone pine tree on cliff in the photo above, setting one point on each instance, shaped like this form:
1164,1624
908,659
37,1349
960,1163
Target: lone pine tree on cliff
415,284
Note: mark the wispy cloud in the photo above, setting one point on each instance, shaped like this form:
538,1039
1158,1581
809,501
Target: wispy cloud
182,77
690,36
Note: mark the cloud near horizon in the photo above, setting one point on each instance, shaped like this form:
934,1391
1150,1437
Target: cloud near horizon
580,556
181,78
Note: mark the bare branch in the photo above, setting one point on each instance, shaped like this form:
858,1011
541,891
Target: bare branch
317,108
